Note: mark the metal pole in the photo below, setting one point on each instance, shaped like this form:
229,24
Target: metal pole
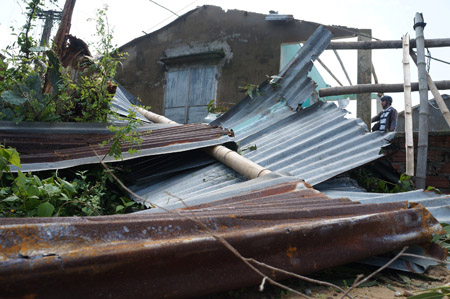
422,146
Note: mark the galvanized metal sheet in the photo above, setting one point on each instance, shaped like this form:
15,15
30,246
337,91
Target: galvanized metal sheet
286,225
50,146
437,204
123,102
313,144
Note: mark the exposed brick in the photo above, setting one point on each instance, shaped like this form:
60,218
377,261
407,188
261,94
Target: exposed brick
439,144
444,168
435,156
438,181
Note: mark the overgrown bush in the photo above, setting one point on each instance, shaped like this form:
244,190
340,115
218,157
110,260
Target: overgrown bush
37,85
88,193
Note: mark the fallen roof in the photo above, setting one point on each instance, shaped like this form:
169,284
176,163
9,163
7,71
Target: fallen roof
280,223
312,144
279,220
437,204
46,146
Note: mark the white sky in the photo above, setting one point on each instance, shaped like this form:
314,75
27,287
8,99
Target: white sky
388,19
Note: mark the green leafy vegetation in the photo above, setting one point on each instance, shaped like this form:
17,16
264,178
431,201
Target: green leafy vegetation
434,293
213,108
36,84
124,135
443,240
251,90
372,183
87,193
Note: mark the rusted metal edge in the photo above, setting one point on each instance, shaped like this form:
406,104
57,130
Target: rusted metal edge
166,255
56,151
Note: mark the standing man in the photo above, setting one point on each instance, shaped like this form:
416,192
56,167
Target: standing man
387,119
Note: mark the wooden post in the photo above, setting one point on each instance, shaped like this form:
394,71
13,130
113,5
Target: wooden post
409,141
240,164
422,146
342,66
363,105
364,88
386,44
64,26
378,100
329,71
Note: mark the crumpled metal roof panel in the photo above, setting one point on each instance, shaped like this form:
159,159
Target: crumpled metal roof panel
46,146
437,204
313,144
283,224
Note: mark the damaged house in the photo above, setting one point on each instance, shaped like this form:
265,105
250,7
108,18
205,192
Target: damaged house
278,217
206,55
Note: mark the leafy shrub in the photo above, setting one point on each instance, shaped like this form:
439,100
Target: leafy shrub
80,93
89,193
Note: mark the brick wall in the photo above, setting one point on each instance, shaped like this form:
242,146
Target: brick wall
438,159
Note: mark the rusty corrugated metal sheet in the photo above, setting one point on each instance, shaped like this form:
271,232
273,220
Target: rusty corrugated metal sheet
287,225
51,148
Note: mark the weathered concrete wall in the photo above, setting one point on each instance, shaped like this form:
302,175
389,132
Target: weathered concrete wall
436,121
251,46
438,164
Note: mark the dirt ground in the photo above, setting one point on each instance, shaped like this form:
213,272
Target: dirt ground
386,284
390,284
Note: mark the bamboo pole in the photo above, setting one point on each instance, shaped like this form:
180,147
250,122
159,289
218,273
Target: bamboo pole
422,145
434,90
378,100
342,66
245,167
329,71
156,118
409,141
375,77
364,88
386,44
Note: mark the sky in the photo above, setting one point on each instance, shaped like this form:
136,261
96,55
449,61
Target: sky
388,19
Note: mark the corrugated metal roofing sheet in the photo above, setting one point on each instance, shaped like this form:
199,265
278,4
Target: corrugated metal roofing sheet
437,204
123,103
313,144
283,224
45,146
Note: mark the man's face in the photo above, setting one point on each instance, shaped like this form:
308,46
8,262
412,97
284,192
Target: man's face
384,104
